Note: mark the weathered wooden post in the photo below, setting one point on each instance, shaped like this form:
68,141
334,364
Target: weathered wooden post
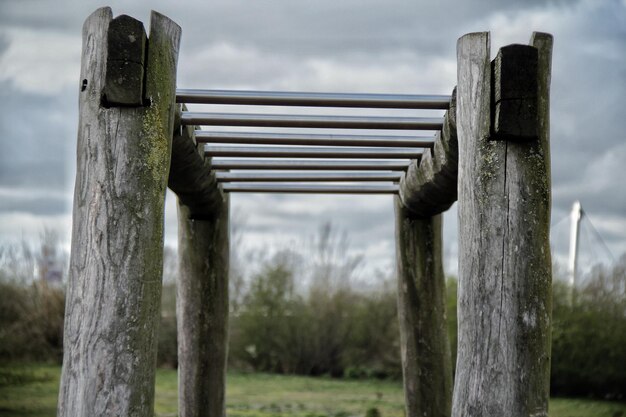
504,308
426,361
202,288
114,288
428,189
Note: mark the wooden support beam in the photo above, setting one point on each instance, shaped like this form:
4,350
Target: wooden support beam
114,288
425,349
191,177
126,47
202,287
430,184
504,307
514,93
202,313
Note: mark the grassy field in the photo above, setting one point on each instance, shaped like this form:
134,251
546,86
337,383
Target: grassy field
31,391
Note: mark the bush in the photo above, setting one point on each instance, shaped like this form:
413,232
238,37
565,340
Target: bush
589,336
323,330
31,322
167,354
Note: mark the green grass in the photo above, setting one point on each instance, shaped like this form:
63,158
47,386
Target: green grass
31,391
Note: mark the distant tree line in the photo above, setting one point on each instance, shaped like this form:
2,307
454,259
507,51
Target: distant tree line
326,330
305,311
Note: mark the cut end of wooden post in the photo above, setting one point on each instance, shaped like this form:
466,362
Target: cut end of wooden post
103,13
156,16
514,99
126,48
541,36
475,39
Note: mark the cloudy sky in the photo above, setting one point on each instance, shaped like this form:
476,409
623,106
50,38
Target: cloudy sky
401,46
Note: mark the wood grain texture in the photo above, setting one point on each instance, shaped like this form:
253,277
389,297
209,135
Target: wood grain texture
515,93
425,348
543,42
430,184
126,52
114,288
202,313
504,304
191,177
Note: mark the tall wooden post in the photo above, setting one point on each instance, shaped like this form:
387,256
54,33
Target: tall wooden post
202,312
427,190
504,307
114,288
425,349
202,288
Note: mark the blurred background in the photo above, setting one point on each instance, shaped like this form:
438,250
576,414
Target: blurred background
314,262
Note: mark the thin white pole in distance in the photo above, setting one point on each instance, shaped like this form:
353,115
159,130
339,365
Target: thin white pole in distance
575,217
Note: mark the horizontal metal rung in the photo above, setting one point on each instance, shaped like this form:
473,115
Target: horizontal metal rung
310,152
311,189
308,176
254,138
286,164
285,98
312,121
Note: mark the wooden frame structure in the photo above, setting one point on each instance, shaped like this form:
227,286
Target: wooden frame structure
490,150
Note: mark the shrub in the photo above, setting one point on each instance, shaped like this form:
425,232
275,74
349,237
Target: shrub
31,322
589,336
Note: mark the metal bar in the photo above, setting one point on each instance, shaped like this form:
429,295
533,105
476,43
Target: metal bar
256,138
308,176
287,98
312,121
286,164
311,152
311,188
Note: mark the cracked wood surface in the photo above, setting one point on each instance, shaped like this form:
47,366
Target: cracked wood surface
191,177
114,287
514,101
202,286
202,313
430,184
126,51
425,348
504,306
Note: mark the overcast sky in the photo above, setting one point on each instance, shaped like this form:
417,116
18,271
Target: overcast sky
320,45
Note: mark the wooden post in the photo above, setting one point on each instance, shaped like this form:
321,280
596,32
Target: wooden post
191,176
504,307
202,313
202,298
114,288
430,184
428,189
425,349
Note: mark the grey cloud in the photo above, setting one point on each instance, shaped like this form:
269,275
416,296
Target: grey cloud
280,37
367,225
36,204
298,27
38,138
587,120
4,43
65,15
